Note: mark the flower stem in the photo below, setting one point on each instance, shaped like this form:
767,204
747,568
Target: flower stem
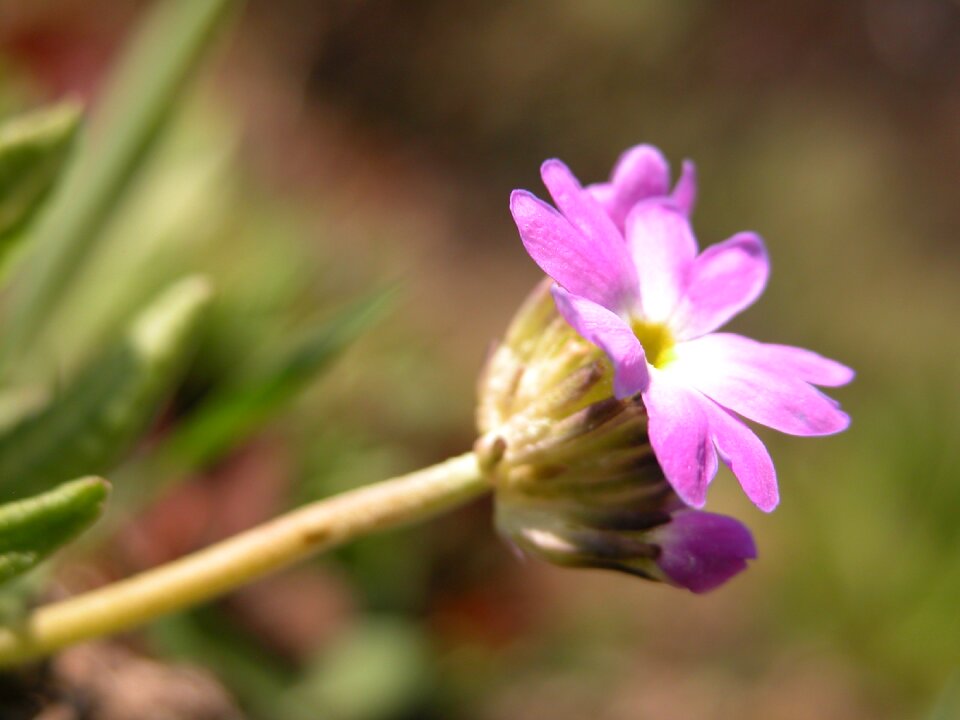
231,563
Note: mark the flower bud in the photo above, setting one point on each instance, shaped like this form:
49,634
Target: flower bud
577,482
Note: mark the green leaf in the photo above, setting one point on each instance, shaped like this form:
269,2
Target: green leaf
137,104
234,412
31,529
33,149
87,427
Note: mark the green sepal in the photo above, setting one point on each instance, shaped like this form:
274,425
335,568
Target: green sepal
88,426
32,529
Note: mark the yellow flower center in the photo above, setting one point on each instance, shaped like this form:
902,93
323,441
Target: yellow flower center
657,341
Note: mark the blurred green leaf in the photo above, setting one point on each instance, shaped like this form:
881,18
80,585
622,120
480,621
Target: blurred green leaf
92,422
32,529
18,594
139,101
859,572
379,669
235,411
33,150
207,637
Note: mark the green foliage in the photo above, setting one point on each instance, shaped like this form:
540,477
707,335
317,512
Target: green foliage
33,150
90,424
205,636
236,410
379,669
137,105
144,201
32,529
862,562
376,669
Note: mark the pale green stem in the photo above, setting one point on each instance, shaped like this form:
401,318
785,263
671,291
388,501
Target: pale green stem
245,557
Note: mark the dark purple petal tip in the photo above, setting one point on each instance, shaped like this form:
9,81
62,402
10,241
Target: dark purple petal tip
700,551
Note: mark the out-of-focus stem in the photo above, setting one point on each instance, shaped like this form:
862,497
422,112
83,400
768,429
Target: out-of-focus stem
243,558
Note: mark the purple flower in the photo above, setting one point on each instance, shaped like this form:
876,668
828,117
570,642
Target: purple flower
701,551
629,279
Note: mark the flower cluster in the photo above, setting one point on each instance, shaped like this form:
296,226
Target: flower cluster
606,407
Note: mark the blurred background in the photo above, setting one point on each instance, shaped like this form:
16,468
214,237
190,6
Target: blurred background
332,149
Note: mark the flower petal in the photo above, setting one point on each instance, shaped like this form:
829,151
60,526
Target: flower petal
584,264
782,359
579,206
684,193
679,433
663,249
612,335
745,455
724,279
641,173
728,372
700,551
606,195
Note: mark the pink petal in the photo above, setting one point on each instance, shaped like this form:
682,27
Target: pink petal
745,455
782,359
745,383
805,364
663,248
724,279
585,264
684,193
577,205
606,195
612,335
680,435
641,173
